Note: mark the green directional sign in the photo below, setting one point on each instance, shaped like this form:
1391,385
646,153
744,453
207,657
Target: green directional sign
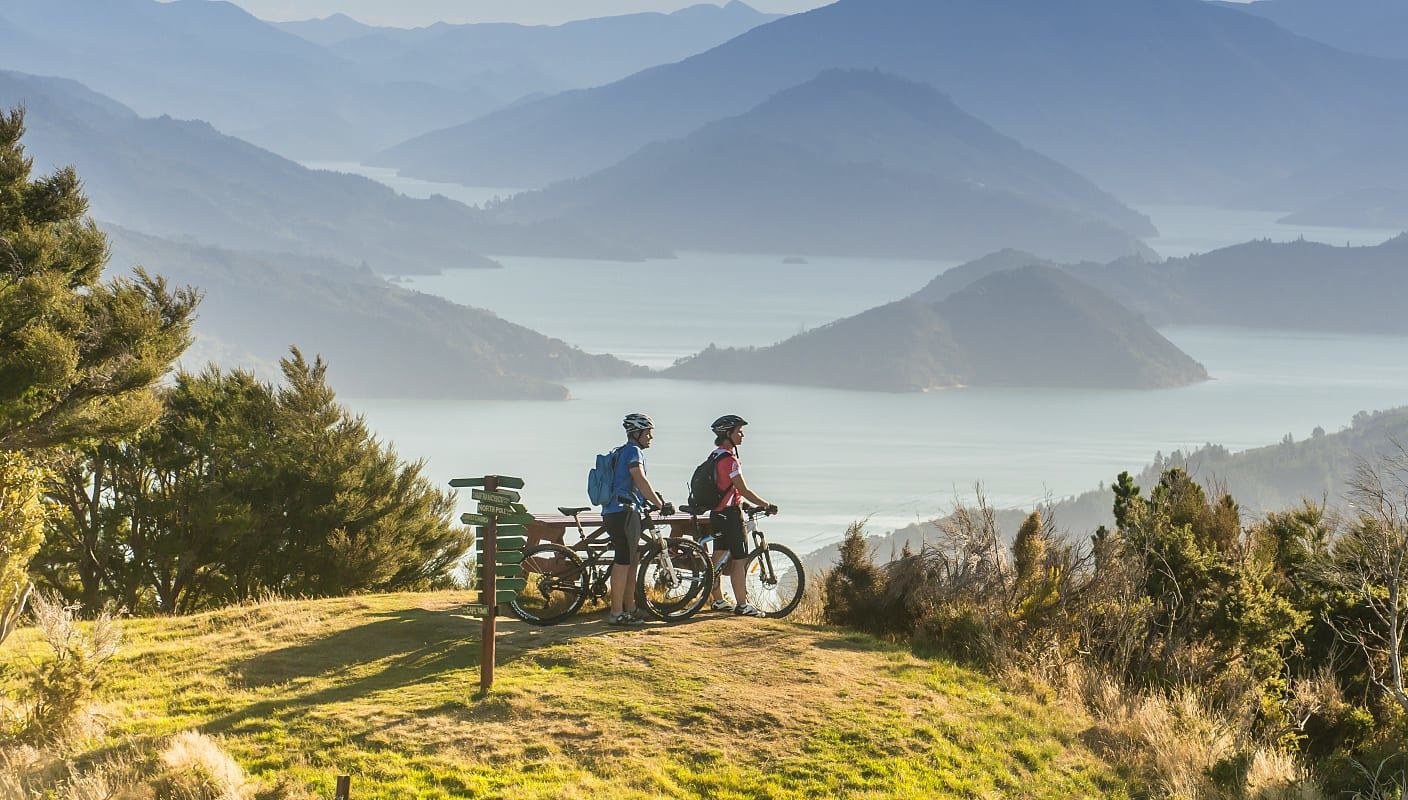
504,497
519,507
504,482
503,596
503,542
517,518
508,570
476,609
474,519
514,585
503,530
495,509
509,557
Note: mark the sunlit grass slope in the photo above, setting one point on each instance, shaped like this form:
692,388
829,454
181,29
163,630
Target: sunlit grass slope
382,687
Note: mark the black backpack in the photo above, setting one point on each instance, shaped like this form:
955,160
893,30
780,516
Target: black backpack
704,492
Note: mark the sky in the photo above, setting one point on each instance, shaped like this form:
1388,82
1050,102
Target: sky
411,13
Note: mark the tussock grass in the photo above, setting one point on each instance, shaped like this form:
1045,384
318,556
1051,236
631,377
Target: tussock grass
383,688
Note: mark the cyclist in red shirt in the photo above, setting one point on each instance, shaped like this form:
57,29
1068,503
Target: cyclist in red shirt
726,518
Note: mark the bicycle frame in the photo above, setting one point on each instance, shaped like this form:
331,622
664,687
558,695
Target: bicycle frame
597,544
760,542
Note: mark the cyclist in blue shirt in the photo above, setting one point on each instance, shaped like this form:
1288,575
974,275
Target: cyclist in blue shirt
622,516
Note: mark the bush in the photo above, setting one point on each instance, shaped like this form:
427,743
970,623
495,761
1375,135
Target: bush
855,588
57,708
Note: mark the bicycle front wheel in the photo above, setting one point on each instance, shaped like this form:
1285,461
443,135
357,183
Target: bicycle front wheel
556,585
775,580
674,579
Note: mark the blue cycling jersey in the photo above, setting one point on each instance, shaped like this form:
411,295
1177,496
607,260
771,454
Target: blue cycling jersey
628,456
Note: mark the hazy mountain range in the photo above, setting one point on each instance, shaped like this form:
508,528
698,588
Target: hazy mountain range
1288,286
1031,326
1151,100
1374,27
188,181
849,163
379,340
215,62
525,59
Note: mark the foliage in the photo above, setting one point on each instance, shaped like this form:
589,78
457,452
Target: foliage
78,358
1289,631
855,588
61,689
241,489
22,517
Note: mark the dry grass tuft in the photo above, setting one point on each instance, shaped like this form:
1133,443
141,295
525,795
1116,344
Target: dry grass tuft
1180,743
194,767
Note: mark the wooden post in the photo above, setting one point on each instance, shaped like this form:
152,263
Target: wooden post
488,572
344,788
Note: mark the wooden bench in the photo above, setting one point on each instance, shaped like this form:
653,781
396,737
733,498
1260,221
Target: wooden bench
555,527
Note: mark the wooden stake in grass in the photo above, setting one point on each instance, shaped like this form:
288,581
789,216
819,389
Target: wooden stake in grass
487,583
344,788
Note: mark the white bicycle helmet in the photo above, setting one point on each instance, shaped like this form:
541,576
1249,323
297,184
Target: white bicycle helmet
637,422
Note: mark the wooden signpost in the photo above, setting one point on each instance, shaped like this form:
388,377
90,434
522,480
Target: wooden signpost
499,553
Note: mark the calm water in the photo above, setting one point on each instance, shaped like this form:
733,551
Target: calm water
415,187
829,457
673,310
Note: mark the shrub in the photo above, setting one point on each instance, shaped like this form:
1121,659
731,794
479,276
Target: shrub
855,588
62,688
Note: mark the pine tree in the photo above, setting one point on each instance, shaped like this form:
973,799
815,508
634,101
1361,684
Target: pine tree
78,357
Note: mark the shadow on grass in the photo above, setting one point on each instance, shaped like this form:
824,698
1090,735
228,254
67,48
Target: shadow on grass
410,647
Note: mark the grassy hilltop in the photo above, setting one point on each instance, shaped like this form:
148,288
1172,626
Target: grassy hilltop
381,687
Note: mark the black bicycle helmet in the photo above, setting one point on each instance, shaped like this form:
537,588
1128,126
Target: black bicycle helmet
727,422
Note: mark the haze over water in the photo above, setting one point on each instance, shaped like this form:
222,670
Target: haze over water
829,457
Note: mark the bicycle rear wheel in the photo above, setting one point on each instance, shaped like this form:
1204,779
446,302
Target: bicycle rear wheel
674,582
556,585
776,580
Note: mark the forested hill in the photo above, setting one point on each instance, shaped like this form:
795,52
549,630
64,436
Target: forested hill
1291,285
850,163
185,180
379,340
1276,477
1034,326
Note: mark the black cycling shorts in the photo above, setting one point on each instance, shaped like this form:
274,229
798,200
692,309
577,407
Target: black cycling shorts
728,524
624,529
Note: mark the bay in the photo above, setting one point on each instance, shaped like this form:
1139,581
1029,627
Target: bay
831,457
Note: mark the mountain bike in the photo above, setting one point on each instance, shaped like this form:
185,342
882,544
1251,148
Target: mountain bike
775,578
561,579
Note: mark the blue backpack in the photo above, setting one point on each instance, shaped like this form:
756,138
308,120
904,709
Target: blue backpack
601,479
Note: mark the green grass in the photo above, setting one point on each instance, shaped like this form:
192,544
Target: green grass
383,688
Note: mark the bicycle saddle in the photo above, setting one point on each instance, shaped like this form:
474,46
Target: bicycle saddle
572,512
